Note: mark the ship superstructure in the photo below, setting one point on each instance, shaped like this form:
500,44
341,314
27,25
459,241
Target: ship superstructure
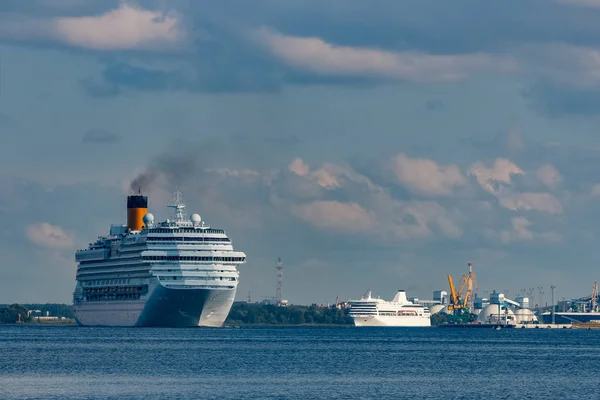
369,311
179,272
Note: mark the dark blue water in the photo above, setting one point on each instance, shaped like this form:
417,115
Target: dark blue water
50,362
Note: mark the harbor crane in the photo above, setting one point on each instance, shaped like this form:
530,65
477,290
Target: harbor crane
458,300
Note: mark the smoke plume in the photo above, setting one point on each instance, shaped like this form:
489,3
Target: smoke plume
241,151
170,168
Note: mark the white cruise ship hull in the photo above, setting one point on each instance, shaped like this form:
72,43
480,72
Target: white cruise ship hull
384,320
168,307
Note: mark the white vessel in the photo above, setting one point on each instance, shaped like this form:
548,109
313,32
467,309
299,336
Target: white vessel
369,311
174,273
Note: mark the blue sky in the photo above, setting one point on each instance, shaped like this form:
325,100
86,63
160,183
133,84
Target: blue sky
370,146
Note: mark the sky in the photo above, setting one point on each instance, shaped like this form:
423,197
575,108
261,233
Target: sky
370,146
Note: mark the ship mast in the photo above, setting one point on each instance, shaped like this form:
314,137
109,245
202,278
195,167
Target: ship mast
178,206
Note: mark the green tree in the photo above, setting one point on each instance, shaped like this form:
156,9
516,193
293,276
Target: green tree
10,314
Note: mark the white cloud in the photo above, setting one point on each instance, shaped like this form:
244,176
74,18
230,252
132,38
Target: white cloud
124,28
531,201
50,236
497,179
127,27
596,190
557,62
520,232
326,179
549,176
500,172
316,55
426,176
298,167
335,215
372,209
329,176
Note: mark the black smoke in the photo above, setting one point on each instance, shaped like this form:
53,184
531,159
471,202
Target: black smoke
172,168
237,151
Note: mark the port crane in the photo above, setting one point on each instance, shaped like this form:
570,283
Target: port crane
458,301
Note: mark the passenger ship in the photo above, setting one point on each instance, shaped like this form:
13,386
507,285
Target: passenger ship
369,311
175,273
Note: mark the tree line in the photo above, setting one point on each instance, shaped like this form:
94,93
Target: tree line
241,313
254,313
10,313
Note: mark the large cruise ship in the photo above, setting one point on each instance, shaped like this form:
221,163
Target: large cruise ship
369,311
178,273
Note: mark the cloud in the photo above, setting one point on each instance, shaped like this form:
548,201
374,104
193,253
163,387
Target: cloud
96,135
531,201
330,176
50,236
521,233
382,216
334,215
405,220
426,176
498,181
127,27
549,176
299,168
316,55
500,172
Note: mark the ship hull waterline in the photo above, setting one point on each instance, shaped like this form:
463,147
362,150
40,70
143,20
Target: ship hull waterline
165,307
391,321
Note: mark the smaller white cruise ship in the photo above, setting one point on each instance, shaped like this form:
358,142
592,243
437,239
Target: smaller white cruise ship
369,311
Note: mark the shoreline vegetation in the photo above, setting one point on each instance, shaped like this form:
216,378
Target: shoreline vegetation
241,314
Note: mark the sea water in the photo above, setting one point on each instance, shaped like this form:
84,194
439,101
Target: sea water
54,362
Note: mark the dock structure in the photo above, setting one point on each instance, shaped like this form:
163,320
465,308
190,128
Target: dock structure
545,326
521,326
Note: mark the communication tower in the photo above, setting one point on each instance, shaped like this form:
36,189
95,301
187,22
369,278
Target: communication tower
278,293
595,298
471,288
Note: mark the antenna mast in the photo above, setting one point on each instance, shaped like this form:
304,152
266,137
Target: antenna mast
178,206
278,293
595,298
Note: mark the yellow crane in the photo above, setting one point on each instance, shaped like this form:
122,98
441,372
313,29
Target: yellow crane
458,300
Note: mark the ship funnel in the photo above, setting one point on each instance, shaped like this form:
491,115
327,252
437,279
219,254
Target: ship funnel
400,297
137,207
